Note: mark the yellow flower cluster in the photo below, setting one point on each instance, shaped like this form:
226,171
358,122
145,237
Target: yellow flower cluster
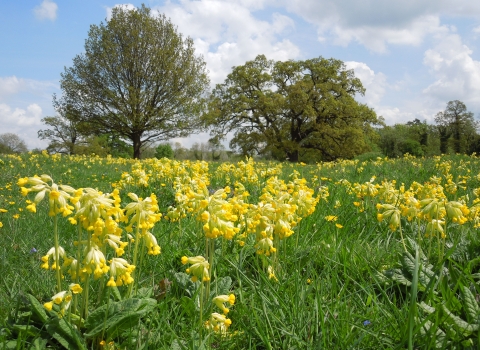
99,215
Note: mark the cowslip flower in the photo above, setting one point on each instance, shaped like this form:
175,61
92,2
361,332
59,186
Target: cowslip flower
218,323
220,301
435,226
199,268
51,255
121,270
57,194
390,213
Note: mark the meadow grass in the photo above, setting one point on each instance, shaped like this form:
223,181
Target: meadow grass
343,280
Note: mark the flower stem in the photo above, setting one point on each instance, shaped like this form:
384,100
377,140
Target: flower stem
135,256
57,255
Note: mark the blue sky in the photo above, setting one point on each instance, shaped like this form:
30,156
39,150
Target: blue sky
412,56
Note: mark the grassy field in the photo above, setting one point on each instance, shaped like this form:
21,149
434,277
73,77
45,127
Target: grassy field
363,254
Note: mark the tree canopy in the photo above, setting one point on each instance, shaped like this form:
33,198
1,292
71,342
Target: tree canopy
458,125
292,109
65,131
138,78
12,143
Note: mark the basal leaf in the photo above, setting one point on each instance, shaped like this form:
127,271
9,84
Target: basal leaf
37,309
470,305
465,327
116,317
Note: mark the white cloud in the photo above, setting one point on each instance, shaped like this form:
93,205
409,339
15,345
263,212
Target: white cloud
23,122
227,33
374,83
12,86
124,6
46,10
376,24
456,73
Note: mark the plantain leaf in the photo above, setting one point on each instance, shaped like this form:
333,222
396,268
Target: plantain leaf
116,317
470,305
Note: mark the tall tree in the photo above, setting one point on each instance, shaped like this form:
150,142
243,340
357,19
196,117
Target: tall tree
138,78
458,124
293,107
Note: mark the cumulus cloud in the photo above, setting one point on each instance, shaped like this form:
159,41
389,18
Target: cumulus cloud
376,24
46,10
374,83
227,33
456,72
23,122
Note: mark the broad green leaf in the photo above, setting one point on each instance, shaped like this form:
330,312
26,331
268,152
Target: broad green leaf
29,330
398,276
37,309
429,329
116,317
39,344
465,327
221,286
470,305
66,334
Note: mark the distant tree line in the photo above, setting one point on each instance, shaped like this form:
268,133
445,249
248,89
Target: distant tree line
455,131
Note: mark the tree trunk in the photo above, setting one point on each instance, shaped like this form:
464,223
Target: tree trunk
293,156
137,146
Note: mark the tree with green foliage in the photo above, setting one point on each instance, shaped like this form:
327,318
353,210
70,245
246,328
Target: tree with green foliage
65,132
164,150
12,143
138,78
458,125
288,109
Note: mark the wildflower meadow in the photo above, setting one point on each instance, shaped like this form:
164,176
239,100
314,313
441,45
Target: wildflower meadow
110,253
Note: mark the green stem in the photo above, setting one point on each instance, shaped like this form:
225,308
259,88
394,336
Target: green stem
201,311
57,255
106,313
135,257
77,273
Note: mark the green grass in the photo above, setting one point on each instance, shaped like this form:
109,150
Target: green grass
330,292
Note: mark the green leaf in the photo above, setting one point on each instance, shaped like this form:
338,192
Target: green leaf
424,274
429,329
398,276
66,334
470,305
221,286
39,344
29,330
465,327
116,317
37,309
